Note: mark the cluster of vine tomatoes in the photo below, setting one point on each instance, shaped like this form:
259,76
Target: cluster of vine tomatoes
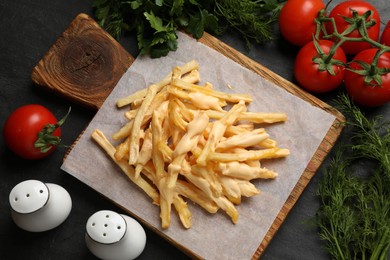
319,67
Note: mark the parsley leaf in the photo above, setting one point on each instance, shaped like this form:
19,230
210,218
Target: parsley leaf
156,22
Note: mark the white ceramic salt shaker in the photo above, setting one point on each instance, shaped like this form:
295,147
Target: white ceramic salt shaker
114,236
38,206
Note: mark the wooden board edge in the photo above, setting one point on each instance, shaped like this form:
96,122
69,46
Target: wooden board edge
319,156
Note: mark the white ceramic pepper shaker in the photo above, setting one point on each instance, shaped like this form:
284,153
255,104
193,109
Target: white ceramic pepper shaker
38,206
114,236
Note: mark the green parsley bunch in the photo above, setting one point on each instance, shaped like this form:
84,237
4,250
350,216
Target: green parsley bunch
156,22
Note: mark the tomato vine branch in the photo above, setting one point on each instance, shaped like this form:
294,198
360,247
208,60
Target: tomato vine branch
360,23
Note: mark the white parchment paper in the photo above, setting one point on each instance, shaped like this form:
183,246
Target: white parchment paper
211,236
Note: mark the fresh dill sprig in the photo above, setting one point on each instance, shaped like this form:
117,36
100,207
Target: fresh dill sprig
371,138
354,213
254,20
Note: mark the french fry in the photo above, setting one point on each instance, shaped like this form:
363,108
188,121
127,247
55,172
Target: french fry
218,130
182,142
257,118
242,140
183,211
191,67
210,92
192,192
135,131
99,137
244,171
166,193
249,155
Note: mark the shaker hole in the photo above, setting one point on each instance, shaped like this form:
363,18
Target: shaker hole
28,195
119,227
93,224
107,216
105,225
104,234
40,191
16,199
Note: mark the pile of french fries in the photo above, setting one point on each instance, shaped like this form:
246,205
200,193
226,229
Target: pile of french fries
186,141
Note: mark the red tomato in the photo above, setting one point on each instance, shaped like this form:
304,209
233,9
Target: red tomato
22,127
385,38
307,72
296,20
345,9
371,95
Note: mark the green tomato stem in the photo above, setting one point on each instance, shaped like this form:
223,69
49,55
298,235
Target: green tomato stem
45,139
357,22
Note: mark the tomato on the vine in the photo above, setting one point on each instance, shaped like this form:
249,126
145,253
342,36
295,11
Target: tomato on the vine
22,131
316,75
385,38
365,89
345,10
296,20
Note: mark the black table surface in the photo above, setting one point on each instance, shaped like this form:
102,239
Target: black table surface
28,29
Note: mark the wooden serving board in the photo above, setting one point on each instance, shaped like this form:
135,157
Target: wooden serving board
85,64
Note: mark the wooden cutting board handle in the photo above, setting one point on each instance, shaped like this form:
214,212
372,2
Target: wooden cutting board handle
83,65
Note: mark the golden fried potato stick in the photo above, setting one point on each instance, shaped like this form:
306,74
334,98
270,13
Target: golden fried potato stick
184,110
166,195
124,131
135,131
258,117
166,151
99,137
218,130
228,207
198,99
242,140
249,155
145,153
130,114
187,142
175,115
180,205
190,139
158,101
211,176
220,200
186,68
140,94
196,195
244,171
187,190
122,150
231,190
210,92
183,210
238,130
247,188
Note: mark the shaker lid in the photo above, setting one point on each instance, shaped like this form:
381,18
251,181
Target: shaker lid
29,196
106,227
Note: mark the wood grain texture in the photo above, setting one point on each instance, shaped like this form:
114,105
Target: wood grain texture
85,64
